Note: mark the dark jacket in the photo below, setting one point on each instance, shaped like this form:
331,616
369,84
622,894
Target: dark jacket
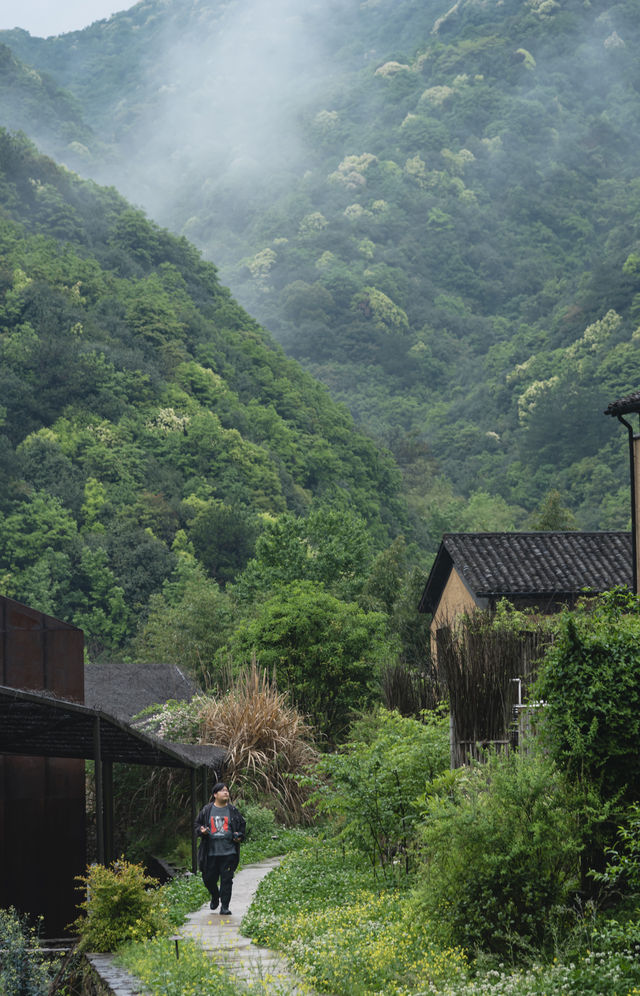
238,829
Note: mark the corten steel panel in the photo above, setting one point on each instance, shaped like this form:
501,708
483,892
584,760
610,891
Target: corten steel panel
44,830
40,652
42,816
24,781
64,649
63,830
24,659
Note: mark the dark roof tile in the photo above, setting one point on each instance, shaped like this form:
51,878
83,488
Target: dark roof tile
531,564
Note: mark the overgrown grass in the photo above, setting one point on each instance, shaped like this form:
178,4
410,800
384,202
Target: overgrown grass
265,738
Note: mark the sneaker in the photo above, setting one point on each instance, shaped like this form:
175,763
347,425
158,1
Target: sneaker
225,911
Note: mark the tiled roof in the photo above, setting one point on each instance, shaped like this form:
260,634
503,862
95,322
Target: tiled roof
544,564
123,690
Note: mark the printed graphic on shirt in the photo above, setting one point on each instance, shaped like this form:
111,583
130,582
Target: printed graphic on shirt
219,826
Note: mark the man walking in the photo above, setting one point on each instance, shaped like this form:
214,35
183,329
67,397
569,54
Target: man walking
220,828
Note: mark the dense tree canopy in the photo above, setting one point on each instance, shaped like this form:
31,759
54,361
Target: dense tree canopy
326,652
145,416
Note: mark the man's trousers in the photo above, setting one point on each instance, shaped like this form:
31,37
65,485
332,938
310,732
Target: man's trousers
217,875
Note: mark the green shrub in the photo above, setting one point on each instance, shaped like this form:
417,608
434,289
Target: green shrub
371,790
622,872
23,970
282,841
590,681
119,906
261,822
501,856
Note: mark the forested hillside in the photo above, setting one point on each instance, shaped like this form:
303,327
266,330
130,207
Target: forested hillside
151,430
435,209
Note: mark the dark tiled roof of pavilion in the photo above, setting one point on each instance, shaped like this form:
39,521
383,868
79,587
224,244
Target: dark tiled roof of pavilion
541,564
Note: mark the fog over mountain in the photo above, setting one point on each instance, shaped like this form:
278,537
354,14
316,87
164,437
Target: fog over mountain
431,206
228,100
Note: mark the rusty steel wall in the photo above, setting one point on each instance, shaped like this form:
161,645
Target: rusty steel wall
42,799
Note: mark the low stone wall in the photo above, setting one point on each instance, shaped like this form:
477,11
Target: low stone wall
94,975
102,977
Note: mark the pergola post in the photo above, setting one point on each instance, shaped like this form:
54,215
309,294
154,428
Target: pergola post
194,813
107,794
97,767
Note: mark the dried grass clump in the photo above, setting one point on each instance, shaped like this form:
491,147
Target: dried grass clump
267,740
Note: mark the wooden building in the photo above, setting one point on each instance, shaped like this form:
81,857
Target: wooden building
543,570
484,672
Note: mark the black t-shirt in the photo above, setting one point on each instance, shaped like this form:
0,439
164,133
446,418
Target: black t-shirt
220,833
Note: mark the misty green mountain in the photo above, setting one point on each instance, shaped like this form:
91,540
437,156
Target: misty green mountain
432,207
146,421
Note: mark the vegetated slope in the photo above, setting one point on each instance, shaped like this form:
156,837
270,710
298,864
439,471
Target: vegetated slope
434,209
143,411
31,100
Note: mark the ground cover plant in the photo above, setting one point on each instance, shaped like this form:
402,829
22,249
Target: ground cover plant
348,934
343,932
162,974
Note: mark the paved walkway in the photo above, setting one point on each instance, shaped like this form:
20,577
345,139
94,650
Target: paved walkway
220,935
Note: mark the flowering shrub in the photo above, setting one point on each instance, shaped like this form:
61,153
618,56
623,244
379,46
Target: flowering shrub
119,906
23,972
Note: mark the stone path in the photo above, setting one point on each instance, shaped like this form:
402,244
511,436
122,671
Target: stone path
266,970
